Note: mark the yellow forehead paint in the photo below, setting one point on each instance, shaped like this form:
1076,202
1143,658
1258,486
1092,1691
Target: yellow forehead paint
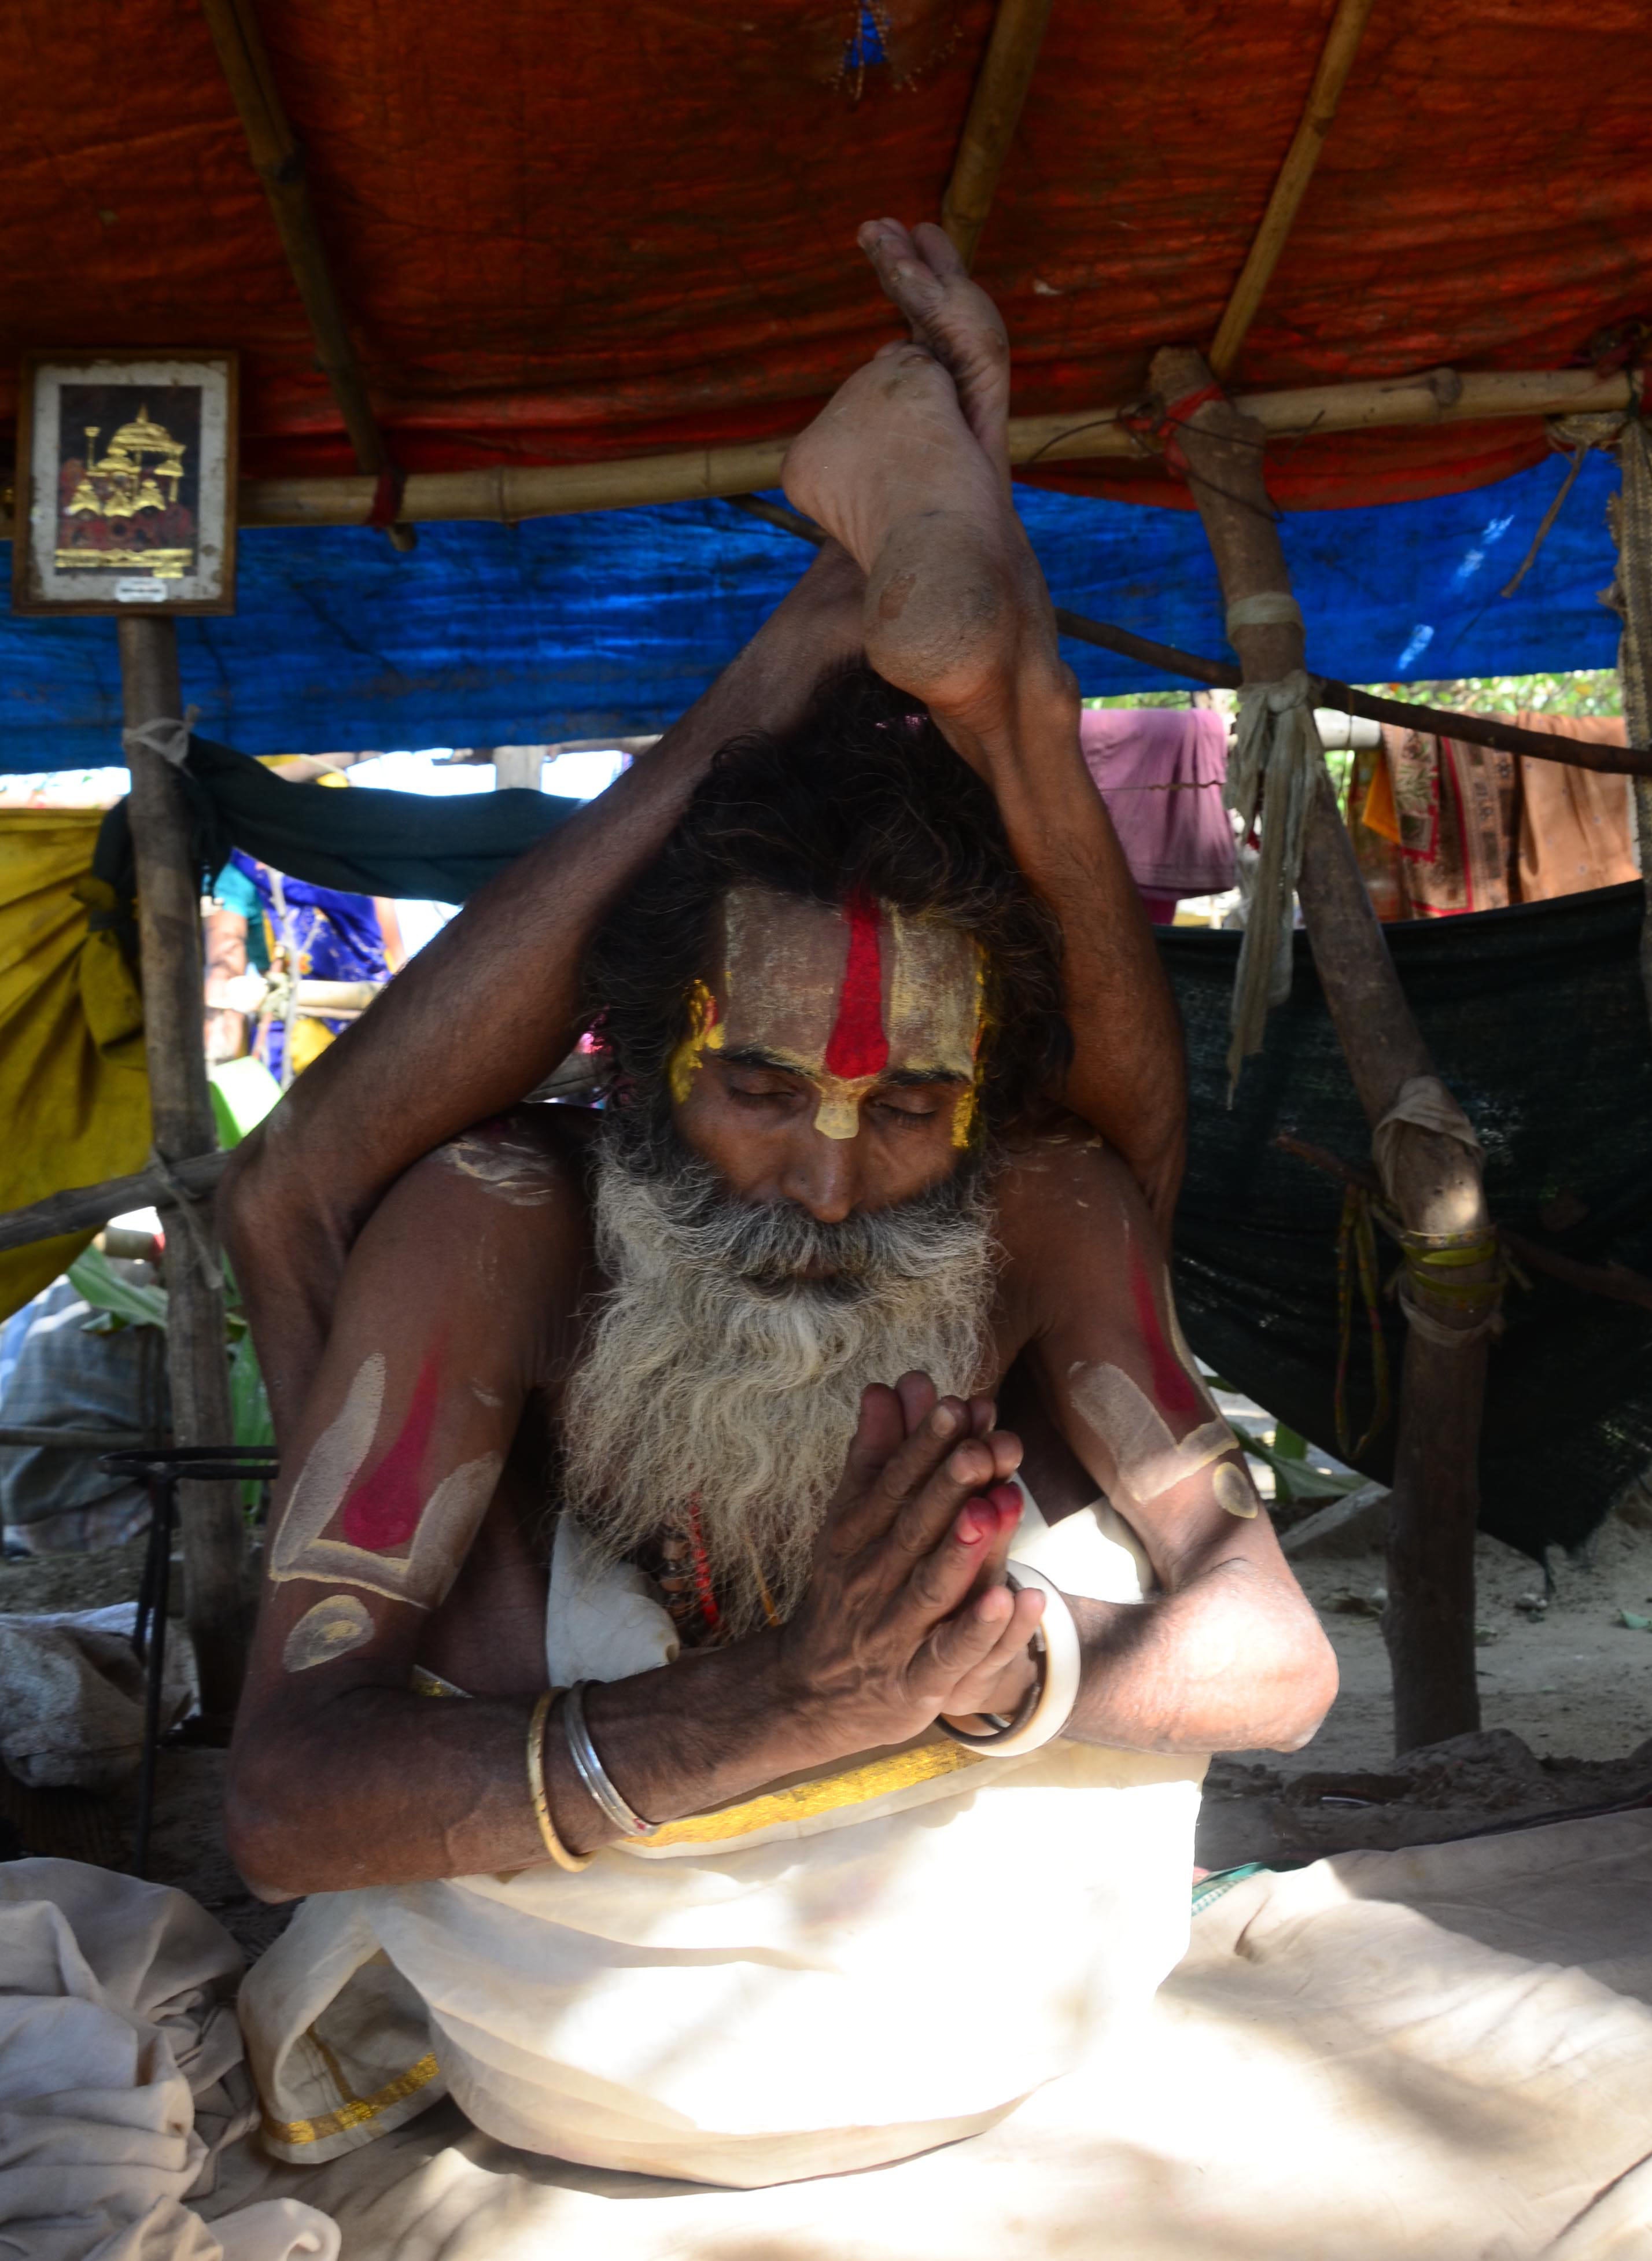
833,1027
705,1034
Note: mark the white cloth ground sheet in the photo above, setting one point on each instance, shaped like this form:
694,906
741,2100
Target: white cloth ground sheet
1439,2055
121,2077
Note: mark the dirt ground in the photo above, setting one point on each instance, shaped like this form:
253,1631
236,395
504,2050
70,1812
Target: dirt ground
1566,1690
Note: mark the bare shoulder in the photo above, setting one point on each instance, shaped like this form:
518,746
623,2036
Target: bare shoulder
504,1203
1066,1210
530,1159
486,1240
1060,1175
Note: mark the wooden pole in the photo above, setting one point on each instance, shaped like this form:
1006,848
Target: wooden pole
278,160
994,112
508,492
1336,60
198,1365
1429,1621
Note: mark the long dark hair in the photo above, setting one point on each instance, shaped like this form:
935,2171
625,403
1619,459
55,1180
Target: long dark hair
862,793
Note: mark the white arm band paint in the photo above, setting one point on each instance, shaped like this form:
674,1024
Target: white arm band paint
1057,1644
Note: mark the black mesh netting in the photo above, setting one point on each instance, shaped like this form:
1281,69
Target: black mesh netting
1537,1020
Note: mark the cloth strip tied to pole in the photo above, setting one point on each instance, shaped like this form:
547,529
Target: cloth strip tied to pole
1270,773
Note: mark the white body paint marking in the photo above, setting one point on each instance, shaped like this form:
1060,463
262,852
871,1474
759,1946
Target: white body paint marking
333,1627
518,1173
423,1574
1149,1460
1235,1491
420,1577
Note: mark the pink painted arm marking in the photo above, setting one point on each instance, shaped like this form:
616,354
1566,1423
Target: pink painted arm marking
381,1512
1173,1388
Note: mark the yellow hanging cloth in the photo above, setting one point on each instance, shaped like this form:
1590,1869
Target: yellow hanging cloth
73,1089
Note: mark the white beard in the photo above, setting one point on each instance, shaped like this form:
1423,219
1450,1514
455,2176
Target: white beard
717,1369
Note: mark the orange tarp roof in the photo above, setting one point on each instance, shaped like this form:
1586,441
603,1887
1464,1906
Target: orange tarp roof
565,233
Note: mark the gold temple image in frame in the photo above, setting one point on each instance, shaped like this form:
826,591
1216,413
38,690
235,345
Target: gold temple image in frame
126,479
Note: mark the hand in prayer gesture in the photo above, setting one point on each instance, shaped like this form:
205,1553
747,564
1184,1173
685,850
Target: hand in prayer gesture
908,1615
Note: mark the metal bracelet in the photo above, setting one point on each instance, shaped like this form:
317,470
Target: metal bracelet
591,1771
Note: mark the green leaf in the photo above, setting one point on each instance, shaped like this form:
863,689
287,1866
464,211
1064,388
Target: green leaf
249,1406
1635,1623
93,1276
1296,1479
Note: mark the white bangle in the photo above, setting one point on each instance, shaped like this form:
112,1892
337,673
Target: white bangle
1056,1645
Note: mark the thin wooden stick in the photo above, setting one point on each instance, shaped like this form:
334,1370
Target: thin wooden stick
508,492
1336,60
278,160
1615,1281
1438,722
86,1208
994,112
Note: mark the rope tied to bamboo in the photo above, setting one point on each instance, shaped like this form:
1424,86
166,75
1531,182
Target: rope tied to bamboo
1276,750
1440,1307
178,1197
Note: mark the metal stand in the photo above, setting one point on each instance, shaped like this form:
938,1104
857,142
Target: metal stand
160,1470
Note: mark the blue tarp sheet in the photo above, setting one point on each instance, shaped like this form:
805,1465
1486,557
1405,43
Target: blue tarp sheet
565,628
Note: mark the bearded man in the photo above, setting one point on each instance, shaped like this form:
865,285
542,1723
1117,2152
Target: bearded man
815,1761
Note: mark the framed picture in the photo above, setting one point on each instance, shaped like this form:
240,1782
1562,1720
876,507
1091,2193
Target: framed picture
126,483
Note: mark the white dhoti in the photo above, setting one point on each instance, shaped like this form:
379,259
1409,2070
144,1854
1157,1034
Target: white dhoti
843,1970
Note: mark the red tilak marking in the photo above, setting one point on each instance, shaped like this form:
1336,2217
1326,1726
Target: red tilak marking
857,1045
381,1513
1173,1388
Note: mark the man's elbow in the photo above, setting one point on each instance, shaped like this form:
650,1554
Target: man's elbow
1310,1679
264,1831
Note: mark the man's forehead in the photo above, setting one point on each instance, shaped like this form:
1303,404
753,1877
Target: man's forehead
855,988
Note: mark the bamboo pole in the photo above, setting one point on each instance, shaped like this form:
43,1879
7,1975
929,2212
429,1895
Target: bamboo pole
1429,1621
279,162
1336,61
994,112
508,492
1478,729
181,1113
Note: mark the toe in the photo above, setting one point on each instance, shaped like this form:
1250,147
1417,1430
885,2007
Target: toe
938,252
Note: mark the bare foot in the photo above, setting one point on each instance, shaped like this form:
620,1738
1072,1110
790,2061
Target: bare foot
890,444
950,317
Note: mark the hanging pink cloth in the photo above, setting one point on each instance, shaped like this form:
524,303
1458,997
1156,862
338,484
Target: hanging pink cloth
1160,771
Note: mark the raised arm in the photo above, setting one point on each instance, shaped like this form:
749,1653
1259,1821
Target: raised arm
908,468
488,1008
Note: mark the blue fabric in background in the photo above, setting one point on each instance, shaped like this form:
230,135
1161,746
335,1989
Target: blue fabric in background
616,620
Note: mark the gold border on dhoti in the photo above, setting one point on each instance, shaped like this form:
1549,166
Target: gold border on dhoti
354,2112
801,1801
